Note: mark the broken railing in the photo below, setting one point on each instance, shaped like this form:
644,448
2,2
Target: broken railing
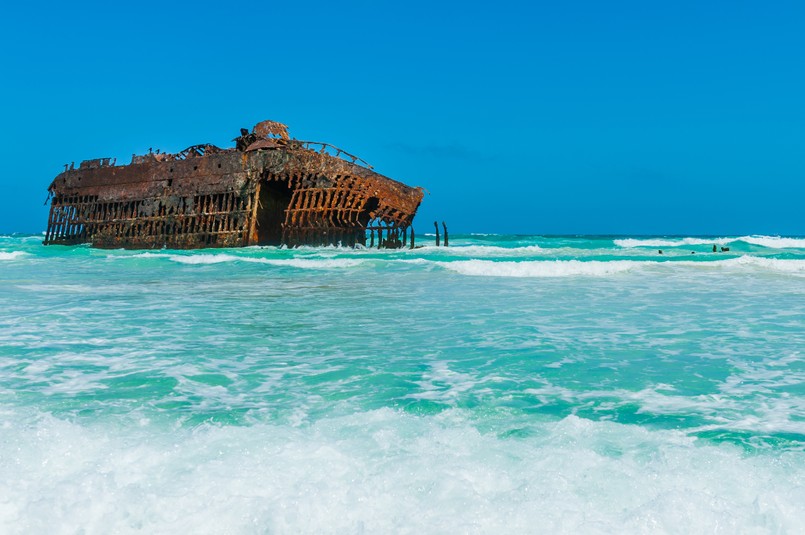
332,150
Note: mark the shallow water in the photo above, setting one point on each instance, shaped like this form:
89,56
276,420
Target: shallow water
503,384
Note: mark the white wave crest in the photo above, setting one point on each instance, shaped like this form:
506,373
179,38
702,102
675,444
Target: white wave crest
139,255
670,242
775,242
302,263
386,472
484,250
744,262
772,242
541,268
569,268
203,258
308,263
12,255
770,264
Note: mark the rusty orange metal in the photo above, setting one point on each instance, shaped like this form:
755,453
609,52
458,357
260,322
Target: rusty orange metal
268,190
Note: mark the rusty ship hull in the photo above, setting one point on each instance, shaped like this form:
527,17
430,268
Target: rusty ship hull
268,190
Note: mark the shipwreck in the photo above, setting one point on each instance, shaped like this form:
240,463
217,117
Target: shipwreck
270,189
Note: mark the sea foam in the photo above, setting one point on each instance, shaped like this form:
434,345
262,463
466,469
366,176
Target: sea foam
775,242
771,242
204,258
594,268
234,391
383,471
540,268
669,242
12,255
780,265
483,250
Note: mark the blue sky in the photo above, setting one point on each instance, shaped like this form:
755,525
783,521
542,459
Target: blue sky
560,117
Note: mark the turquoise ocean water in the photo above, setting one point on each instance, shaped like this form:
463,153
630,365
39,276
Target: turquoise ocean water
506,384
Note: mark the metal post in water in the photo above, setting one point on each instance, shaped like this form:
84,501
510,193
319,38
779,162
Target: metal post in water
436,224
445,233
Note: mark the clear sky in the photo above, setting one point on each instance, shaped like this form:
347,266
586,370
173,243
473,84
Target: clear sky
535,117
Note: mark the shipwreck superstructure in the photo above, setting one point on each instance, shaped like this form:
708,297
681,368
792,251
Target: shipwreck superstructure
268,190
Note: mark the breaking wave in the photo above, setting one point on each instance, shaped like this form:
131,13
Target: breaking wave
484,250
383,471
540,268
507,268
303,263
12,255
568,268
771,264
775,242
307,263
771,242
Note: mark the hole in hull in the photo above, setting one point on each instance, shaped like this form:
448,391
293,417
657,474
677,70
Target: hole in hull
275,196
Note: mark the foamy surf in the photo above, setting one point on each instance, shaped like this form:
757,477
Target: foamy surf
386,472
771,242
483,250
670,242
327,260
412,391
770,264
12,255
540,268
204,259
594,268
775,242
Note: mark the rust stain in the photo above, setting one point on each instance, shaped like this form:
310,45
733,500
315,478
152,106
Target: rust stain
268,190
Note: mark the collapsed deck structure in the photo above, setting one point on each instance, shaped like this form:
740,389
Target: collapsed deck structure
268,190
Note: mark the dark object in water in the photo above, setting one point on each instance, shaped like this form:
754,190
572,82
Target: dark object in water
725,249
268,190
444,226
659,252
715,249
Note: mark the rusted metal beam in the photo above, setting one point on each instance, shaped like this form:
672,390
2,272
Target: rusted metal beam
446,239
